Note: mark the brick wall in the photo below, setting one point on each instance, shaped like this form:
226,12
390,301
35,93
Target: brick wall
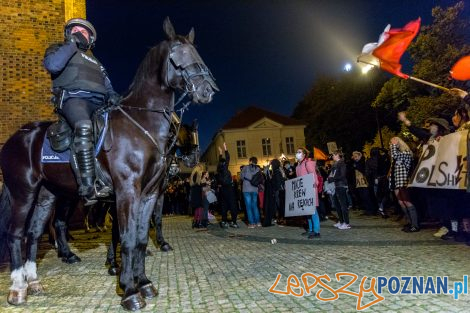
28,27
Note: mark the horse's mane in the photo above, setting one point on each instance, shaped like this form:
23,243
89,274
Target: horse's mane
147,69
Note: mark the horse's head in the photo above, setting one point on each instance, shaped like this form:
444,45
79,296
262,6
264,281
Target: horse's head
186,70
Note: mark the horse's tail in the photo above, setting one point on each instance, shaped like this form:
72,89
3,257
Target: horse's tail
5,215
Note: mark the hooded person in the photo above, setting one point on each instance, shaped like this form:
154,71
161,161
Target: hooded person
437,127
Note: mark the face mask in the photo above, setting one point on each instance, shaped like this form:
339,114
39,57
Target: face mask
287,166
299,156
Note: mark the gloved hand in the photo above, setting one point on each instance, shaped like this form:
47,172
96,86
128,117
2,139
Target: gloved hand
114,99
71,39
80,40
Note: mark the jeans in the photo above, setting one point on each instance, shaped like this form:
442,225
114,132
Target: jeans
251,203
314,223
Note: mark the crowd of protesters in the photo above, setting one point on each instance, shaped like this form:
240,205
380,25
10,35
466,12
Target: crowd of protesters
377,184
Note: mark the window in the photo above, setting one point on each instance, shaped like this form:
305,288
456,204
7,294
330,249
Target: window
241,149
266,143
290,145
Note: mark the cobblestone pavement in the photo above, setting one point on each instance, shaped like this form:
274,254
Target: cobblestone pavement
232,270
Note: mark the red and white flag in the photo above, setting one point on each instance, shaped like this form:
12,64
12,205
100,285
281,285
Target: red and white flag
387,52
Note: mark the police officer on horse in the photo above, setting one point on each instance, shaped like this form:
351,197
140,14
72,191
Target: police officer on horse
81,86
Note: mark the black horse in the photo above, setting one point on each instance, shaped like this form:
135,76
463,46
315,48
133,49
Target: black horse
183,146
186,150
136,165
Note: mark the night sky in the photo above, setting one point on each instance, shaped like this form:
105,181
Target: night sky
263,53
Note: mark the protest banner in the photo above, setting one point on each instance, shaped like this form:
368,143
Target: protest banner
300,196
443,163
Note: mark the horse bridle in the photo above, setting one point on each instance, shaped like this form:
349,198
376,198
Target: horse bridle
185,61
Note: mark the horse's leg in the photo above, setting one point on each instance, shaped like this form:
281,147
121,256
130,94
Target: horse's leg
63,206
21,204
41,215
145,286
111,261
164,246
127,205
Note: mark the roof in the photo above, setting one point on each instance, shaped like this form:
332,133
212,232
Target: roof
252,114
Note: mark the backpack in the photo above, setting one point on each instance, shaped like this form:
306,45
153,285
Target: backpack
257,179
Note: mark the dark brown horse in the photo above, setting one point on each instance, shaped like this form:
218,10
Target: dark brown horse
184,147
136,165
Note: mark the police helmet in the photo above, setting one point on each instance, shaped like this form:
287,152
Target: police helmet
83,23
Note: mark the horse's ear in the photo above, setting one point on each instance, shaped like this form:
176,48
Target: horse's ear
169,29
191,35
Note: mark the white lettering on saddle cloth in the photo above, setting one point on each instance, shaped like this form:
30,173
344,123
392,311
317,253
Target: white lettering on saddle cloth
86,57
50,157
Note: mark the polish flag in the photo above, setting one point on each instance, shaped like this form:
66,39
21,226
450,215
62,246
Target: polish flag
387,52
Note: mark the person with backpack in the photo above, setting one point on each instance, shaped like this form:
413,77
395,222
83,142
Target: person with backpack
306,166
251,176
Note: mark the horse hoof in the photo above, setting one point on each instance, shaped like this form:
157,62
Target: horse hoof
17,297
71,259
113,271
148,291
35,287
133,302
165,247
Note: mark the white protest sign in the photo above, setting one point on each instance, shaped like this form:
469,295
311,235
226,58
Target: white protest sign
301,196
443,164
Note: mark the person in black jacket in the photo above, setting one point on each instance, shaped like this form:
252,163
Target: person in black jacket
338,176
226,190
80,85
361,183
274,193
376,172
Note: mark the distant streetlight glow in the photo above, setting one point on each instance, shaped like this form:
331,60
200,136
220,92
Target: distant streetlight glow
348,67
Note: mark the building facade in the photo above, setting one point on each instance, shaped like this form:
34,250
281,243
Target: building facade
255,132
28,28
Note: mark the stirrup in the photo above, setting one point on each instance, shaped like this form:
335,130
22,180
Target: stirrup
103,192
87,201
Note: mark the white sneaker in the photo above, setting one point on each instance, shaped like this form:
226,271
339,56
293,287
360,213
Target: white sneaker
344,226
337,225
441,232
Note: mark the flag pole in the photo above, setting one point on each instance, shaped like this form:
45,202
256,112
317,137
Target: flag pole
410,77
429,83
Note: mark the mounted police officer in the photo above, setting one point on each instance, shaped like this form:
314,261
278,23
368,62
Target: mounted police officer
83,86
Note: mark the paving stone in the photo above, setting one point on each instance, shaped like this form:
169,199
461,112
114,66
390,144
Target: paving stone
232,270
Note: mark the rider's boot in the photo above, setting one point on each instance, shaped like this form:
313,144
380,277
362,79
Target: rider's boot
85,159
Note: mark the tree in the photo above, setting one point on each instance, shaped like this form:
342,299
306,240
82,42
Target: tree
339,109
436,49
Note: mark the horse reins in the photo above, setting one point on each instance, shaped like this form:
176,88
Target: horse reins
166,114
